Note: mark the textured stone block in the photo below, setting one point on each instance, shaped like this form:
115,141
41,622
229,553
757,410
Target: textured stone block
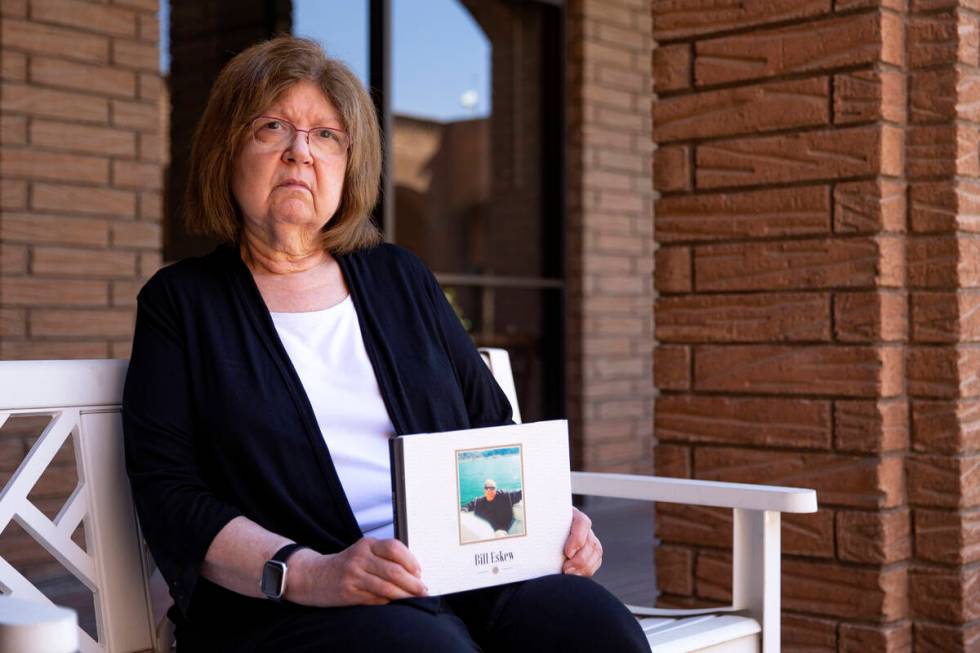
945,205
774,422
871,426
672,367
794,265
92,263
675,570
943,481
869,206
943,372
672,168
944,262
879,638
742,110
713,576
946,316
947,537
61,198
831,370
946,426
114,21
949,149
870,316
743,318
672,269
803,633
672,67
867,95
678,18
694,525
806,156
940,638
873,537
31,229
810,535
827,589
946,596
49,103
83,77
673,461
53,41
29,291
941,38
33,163
840,480
936,95
82,138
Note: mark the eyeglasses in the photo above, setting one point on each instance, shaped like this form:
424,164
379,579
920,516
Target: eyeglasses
489,487
273,133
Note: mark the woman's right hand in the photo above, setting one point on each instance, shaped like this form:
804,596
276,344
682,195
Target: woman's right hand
369,572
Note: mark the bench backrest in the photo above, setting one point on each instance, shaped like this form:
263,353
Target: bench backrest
82,399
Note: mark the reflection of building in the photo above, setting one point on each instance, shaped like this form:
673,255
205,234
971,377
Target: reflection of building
816,170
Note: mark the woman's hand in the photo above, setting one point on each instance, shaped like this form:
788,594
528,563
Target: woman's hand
583,552
369,572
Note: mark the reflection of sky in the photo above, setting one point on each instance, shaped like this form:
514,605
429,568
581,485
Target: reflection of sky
438,51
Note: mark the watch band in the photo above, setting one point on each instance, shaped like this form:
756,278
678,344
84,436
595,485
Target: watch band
275,570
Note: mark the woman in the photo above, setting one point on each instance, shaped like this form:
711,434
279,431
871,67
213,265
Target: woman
267,377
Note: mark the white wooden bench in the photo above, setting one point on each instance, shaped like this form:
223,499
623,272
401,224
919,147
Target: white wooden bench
82,398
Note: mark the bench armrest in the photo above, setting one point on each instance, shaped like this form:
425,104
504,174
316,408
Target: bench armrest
692,492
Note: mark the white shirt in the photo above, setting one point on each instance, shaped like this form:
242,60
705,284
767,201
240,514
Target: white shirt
327,351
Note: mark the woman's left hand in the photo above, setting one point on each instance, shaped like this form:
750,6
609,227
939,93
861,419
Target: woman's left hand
583,552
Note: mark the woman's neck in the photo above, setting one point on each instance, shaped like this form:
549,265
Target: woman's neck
264,257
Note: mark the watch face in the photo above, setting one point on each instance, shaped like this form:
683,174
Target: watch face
273,577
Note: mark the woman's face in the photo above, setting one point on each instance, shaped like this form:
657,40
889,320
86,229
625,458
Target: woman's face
291,185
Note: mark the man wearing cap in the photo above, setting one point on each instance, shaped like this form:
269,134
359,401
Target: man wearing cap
496,508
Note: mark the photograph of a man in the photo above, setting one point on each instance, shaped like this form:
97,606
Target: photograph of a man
491,493
496,508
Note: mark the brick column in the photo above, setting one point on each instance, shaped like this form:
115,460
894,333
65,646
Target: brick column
609,234
80,174
943,360
781,316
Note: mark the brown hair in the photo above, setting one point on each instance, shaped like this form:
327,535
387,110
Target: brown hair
249,83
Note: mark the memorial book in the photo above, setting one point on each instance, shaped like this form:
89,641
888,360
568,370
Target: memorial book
482,507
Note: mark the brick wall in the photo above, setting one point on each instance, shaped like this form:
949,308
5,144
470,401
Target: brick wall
80,169
609,233
782,309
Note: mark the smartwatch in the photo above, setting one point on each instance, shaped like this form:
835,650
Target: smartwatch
273,583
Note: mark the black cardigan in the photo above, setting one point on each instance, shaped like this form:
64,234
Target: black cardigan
217,423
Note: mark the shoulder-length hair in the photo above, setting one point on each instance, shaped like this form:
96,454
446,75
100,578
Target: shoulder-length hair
246,86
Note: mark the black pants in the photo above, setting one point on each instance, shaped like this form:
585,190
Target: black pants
552,613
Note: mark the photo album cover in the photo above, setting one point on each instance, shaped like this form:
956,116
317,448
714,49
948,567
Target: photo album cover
481,507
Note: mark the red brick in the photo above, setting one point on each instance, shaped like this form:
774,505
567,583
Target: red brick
817,45
13,324
940,38
33,100
713,576
860,638
146,5
675,569
869,206
856,481
152,148
142,235
674,461
72,137
672,367
13,259
947,537
793,265
151,205
943,262
15,8
672,168
149,28
134,54
149,263
946,316
13,130
873,537
34,163
48,40
82,77
740,110
946,426
871,426
136,115
109,20
29,291
71,199
799,157
65,323
13,66
673,269
744,318
774,422
834,590
809,535
142,176
32,229
803,633
945,596
752,214
47,350
121,348
870,316
940,638
936,95
694,525
677,18
93,263
933,150
943,481
943,372
945,205
150,87
671,67
13,194
867,95
124,293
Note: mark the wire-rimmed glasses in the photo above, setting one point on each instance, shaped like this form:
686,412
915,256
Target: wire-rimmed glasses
275,133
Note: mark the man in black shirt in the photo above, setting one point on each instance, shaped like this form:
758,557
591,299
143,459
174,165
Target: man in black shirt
496,508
